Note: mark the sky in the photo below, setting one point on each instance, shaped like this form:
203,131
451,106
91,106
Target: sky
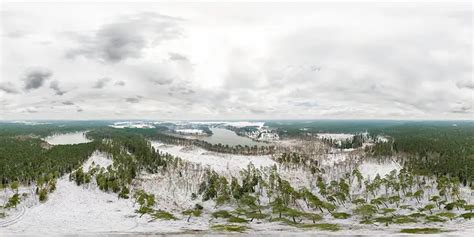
239,61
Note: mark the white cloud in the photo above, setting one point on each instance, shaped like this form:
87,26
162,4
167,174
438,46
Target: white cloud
240,62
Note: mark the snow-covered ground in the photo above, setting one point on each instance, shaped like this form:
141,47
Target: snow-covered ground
336,136
222,163
97,159
132,124
242,124
237,124
32,123
381,139
73,209
191,131
67,138
334,158
370,169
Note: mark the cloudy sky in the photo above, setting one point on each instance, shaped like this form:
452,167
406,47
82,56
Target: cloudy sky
236,61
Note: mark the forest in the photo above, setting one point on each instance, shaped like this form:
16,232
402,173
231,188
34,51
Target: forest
438,149
297,191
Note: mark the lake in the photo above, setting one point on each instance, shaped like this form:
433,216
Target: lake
228,137
67,138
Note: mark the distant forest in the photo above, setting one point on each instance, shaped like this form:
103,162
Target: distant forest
436,148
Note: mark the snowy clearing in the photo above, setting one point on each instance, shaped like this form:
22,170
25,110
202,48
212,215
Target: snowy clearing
370,169
222,163
237,124
97,159
67,138
190,131
335,136
132,124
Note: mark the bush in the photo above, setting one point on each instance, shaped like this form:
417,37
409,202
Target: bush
231,228
421,231
321,226
43,194
221,214
341,215
467,215
235,219
163,215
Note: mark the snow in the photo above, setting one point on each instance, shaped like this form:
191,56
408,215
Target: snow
97,159
371,169
72,209
222,163
132,124
32,123
67,138
381,139
237,124
336,136
334,158
190,131
245,124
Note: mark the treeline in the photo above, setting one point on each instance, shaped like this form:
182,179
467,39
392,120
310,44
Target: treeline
355,142
26,161
159,134
44,130
382,200
442,149
131,153
241,150
303,129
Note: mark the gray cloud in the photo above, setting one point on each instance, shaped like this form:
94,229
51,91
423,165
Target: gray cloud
127,37
101,83
55,86
161,81
8,88
177,57
465,84
463,108
308,104
30,110
132,100
155,73
16,34
181,90
316,65
35,78
119,83
68,102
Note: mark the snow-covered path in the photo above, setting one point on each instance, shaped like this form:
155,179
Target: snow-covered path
73,209
12,220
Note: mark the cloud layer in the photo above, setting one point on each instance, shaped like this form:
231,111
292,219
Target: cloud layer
35,78
238,61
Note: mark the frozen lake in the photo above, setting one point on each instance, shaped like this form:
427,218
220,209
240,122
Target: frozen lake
67,138
228,137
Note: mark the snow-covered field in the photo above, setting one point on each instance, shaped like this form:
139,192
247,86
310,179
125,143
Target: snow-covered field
237,124
73,209
97,159
192,131
335,136
370,169
132,124
226,164
85,209
67,138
